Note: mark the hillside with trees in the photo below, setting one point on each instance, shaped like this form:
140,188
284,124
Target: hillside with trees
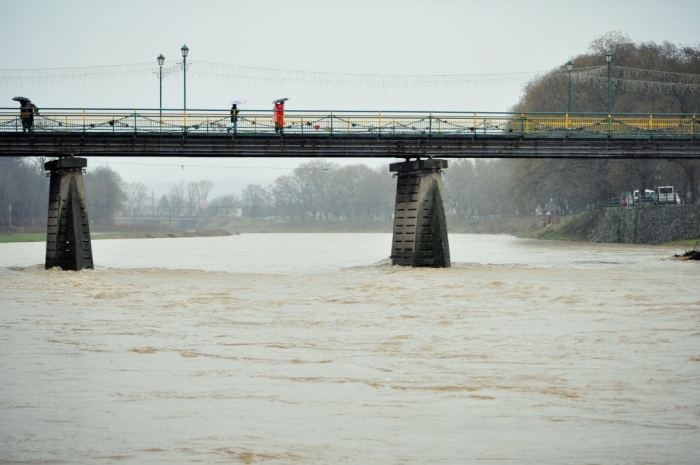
646,78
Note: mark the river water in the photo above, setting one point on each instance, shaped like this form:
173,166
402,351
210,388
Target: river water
311,348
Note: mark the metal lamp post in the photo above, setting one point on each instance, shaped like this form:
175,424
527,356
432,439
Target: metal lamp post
569,66
184,51
161,60
608,58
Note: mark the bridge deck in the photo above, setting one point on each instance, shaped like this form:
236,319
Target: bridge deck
208,133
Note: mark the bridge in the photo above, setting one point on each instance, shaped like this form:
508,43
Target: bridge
383,134
420,231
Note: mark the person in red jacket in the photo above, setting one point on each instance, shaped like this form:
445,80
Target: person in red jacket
278,116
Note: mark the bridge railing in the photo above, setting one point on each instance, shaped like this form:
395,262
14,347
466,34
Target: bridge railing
328,123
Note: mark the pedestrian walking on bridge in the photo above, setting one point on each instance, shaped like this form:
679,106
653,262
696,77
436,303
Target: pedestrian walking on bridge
234,117
278,115
234,114
27,110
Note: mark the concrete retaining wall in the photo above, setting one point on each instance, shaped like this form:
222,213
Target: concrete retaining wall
647,225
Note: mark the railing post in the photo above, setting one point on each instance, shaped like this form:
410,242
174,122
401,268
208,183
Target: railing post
522,124
692,126
84,120
331,123
380,123
430,124
134,121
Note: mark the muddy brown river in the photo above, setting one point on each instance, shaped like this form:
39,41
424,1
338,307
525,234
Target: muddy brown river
311,348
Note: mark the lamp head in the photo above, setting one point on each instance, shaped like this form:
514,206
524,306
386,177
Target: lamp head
569,65
184,51
161,59
608,56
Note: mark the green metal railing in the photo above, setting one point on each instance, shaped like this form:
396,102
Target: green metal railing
386,123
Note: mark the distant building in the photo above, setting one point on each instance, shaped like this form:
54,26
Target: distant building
552,208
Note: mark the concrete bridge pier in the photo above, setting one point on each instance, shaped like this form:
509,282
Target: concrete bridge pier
68,231
420,229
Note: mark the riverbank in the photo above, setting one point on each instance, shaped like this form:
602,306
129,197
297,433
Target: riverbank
512,225
41,237
566,228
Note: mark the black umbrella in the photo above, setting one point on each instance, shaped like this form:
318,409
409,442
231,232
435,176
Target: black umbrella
21,99
280,100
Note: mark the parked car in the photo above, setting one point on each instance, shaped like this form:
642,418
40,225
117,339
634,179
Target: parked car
649,196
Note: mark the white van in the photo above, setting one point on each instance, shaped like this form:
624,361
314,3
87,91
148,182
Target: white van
668,195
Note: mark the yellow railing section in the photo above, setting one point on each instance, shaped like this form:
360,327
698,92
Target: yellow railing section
344,123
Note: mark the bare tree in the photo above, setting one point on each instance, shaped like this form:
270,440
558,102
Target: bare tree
255,200
137,195
176,197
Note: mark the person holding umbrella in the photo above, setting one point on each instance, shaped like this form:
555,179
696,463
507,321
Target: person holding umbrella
26,113
278,114
234,114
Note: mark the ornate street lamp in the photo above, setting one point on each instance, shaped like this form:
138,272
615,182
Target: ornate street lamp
569,66
608,58
161,60
184,51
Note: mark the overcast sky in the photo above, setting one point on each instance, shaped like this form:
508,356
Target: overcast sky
404,37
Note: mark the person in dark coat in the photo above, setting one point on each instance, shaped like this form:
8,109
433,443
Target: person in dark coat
26,114
234,117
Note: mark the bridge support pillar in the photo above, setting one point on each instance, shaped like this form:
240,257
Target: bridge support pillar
420,229
68,231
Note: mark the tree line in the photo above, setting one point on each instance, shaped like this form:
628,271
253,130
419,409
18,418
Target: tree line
315,191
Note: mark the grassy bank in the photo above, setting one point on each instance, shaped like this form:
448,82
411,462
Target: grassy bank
23,237
41,237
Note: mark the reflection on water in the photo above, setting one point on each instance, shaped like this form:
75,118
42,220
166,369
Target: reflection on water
312,349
